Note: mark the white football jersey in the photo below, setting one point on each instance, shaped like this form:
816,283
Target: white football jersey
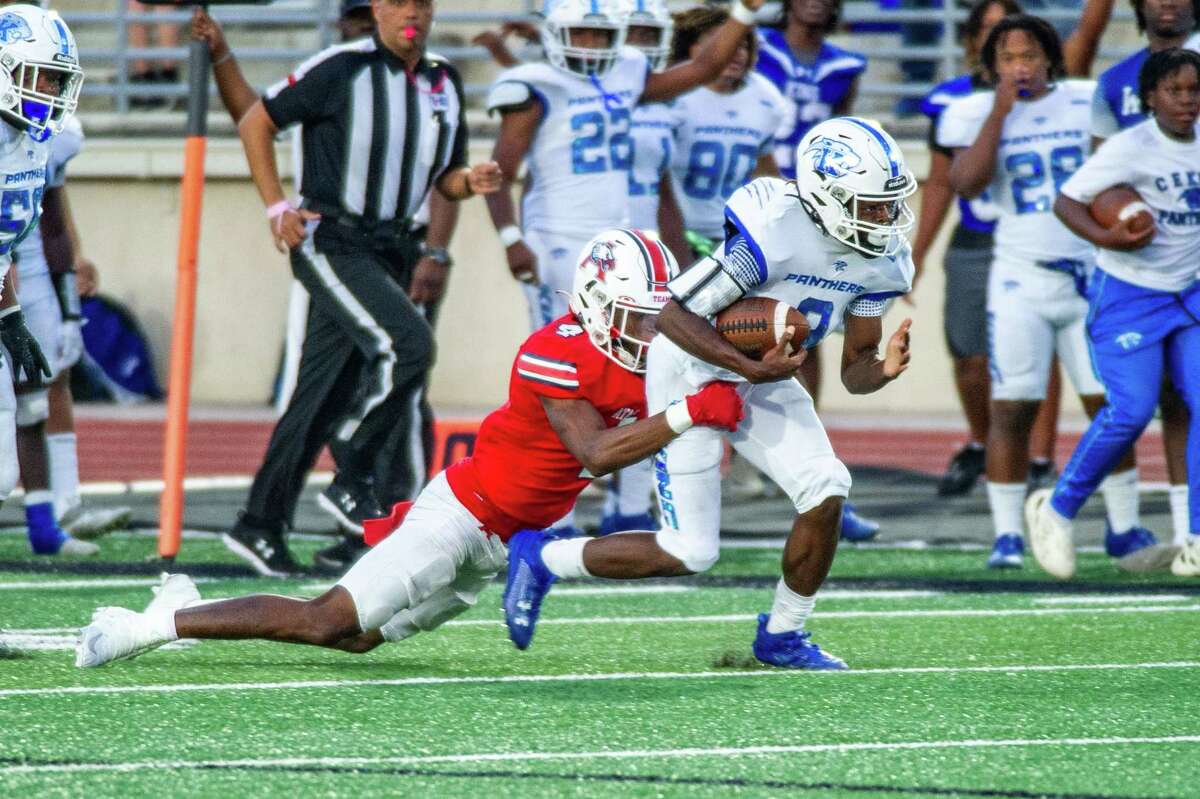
30,253
653,144
718,141
1167,175
23,166
580,157
1042,143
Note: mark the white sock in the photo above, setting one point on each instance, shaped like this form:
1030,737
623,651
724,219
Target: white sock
790,610
1007,501
1120,491
564,557
41,497
163,623
1181,519
64,471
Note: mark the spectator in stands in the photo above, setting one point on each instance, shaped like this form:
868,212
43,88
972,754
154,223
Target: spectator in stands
968,259
146,70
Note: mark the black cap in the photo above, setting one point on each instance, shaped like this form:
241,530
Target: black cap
350,5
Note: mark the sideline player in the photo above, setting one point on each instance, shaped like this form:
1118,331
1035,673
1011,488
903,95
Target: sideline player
830,244
1021,142
576,402
1144,299
39,92
1116,106
570,119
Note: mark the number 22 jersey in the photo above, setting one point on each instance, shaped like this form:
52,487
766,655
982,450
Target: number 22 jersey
1042,143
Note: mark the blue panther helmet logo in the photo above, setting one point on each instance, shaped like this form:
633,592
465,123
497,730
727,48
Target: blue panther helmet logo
14,29
1192,198
831,157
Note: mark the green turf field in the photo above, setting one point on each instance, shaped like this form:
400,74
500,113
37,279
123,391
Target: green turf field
964,683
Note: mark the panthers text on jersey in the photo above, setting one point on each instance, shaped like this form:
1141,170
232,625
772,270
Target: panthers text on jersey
1042,143
23,166
977,215
520,474
580,157
1115,103
30,255
1166,173
718,141
653,143
813,88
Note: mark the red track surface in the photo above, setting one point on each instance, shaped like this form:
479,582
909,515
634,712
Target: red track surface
132,449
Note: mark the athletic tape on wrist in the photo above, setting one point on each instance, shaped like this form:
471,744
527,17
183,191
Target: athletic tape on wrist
279,209
678,417
510,235
742,14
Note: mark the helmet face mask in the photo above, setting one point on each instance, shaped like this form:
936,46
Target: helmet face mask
620,286
653,17
565,17
853,183
40,77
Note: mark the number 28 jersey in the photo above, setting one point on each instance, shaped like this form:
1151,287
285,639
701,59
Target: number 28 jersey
1042,143
581,154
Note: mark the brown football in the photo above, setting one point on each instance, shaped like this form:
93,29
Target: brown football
1119,203
754,325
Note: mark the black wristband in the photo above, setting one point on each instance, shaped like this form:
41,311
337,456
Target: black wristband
439,254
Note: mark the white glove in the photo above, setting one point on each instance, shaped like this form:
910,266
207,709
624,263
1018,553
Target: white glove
70,344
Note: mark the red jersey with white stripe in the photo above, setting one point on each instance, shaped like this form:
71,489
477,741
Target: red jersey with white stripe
521,475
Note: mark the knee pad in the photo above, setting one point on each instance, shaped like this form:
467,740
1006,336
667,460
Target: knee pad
697,553
815,480
33,407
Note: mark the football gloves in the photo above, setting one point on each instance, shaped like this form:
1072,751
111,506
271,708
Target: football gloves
716,405
23,350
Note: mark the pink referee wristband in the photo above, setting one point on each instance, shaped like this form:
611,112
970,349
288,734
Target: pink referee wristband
279,209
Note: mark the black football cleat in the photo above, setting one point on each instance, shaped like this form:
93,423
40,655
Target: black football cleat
263,548
351,503
335,560
964,470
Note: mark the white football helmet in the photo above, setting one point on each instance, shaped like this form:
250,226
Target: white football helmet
845,162
560,17
621,275
36,44
651,14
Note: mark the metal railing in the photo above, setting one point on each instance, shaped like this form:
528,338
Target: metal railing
270,40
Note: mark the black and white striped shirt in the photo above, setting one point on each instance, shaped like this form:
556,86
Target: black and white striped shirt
374,136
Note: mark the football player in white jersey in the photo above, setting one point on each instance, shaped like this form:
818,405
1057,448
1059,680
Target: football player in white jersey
649,28
1144,298
40,82
569,119
1020,143
831,244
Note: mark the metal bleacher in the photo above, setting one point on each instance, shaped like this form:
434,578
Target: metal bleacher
269,40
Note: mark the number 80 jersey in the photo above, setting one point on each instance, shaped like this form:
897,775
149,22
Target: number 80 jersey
581,154
23,170
1042,143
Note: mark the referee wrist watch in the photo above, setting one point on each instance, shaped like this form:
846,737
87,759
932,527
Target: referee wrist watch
439,254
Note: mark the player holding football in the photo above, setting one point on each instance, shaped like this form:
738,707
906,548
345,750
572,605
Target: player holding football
39,92
831,244
1020,143
1144,299
576,409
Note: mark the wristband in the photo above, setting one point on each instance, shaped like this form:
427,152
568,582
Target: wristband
9,311
678,417
742,14
510,235
228,55
278,209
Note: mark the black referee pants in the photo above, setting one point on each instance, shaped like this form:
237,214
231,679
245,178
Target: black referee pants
364,360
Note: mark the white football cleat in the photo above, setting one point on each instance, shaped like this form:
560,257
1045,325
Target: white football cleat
1050,535
1187,562
115,634
89,523
73,546
174,592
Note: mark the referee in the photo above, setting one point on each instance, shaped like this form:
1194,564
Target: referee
382,123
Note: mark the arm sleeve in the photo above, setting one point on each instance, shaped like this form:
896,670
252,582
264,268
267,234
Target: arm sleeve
548,375
306,96
1104,123
1107,167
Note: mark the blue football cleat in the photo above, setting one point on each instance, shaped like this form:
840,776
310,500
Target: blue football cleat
566,531
528,583
792,650
618,523
1008,552
1118,545
855,527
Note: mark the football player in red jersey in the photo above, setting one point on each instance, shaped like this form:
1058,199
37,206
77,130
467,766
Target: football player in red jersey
576,410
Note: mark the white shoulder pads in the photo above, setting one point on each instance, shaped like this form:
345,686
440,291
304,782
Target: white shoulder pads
508,94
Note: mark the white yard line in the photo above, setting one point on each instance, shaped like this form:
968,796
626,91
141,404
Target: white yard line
620,754
120,582
1109,599
1013,669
